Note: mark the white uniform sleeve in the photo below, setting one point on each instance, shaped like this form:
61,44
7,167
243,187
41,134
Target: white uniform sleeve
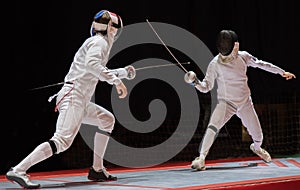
254,62
94,58
208,82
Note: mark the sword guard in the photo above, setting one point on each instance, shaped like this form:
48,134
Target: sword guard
131,72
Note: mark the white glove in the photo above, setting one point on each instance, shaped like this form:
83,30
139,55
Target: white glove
127,72
191,78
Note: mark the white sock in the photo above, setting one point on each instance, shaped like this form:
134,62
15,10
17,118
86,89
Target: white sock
40,153
100,144
202,156
207,142
257,146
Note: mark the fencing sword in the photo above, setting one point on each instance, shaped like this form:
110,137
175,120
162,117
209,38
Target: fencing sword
46,86
128,72
189,77
163,65
131,71
166,46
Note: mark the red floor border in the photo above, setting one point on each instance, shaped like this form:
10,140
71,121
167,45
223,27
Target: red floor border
286,183
80,172
278,183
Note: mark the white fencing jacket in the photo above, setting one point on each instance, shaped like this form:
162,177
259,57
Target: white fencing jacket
231,77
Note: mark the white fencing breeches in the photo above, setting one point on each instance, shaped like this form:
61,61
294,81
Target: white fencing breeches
222,113
73,111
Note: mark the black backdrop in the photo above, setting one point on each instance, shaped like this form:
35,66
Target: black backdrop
47,34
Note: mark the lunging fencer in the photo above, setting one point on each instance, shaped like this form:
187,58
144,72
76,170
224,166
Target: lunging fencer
73,102
228,69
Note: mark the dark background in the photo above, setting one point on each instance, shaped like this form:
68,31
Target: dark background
44,37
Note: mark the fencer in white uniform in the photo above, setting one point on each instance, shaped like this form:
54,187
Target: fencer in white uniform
73,102
228,69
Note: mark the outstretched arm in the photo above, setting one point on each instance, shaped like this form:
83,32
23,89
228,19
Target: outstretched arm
254,62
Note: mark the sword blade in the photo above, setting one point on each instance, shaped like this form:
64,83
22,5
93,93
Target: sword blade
156,66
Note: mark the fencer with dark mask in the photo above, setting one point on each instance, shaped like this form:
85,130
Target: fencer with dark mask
228,69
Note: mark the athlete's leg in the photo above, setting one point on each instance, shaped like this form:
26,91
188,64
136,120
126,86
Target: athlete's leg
99,116
67,126
221,114
250,120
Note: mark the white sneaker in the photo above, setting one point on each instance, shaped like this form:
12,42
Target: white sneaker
22,179
262,153
198,164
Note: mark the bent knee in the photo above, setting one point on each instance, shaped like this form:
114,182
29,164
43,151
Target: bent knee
60,144
108,122
111,119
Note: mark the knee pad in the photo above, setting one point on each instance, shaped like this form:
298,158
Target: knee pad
107,134
213,128
103,132
53,146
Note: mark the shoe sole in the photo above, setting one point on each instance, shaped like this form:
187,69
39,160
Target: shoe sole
94,179
21,182
101,180
266,161
198,169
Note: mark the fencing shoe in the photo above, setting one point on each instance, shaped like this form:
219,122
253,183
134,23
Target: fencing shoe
22,179
262,153
198,163
101,175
